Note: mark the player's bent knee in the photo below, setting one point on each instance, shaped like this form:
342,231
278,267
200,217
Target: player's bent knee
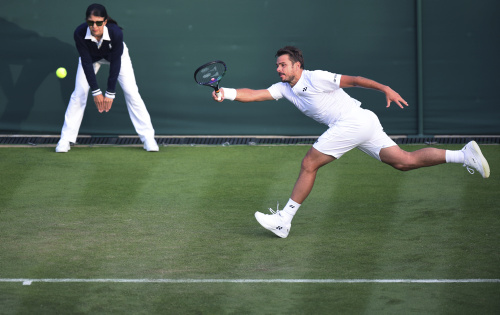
399,159
402,166
312,165
309,164
306,165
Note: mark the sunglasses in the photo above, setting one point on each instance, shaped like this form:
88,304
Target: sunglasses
98,23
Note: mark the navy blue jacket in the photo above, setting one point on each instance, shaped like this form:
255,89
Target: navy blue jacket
110,50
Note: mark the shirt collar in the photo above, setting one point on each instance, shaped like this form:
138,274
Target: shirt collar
300,82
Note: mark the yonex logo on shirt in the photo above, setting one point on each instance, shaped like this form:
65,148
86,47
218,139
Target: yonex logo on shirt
304,89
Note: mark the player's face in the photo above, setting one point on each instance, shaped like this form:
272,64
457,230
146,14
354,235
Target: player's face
288,71
96,31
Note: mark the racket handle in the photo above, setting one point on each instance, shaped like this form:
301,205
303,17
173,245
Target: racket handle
218,94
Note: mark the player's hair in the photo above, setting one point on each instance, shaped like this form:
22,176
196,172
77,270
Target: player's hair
99,10
293,53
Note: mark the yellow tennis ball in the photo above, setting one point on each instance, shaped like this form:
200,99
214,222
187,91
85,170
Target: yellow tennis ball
61,73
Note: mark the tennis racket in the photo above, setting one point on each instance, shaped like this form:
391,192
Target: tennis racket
210,74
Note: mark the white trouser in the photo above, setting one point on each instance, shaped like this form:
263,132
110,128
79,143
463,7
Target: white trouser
135,105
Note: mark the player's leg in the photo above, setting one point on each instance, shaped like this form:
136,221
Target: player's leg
405,161
279,222
74,112
308,170
470,156
332,144
136,108
383,148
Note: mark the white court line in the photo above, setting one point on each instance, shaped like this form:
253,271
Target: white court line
30,281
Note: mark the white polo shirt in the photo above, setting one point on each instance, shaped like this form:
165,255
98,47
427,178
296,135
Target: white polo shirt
318,95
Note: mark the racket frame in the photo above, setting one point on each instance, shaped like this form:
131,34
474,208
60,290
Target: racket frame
212,83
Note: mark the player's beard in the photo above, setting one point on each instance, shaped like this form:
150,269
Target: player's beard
287,79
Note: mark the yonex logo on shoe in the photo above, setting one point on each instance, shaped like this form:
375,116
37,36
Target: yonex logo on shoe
279,228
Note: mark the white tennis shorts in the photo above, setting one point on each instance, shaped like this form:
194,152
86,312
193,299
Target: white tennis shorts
360,129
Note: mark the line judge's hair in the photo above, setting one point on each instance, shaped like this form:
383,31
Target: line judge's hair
293,53
97,9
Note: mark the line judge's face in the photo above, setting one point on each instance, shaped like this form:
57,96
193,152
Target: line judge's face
289,72
95,30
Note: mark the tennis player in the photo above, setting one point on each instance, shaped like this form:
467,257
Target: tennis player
99,41
320,95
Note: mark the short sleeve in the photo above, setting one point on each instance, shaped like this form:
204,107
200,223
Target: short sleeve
276,90
326,81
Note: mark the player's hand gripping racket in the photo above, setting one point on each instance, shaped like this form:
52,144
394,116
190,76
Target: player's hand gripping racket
210,74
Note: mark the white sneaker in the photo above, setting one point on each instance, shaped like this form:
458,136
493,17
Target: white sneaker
474,160
63,146
274,222
150,145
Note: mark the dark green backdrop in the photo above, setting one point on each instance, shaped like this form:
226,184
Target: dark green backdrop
456,92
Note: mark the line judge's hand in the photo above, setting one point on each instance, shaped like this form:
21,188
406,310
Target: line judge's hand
102,103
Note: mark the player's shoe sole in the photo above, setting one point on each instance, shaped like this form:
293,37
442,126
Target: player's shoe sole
474,159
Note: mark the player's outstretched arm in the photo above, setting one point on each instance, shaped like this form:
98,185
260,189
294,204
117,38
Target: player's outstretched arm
245,95
390,95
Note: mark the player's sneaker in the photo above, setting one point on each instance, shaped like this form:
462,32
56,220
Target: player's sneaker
474,160
150,145
63,146
274,222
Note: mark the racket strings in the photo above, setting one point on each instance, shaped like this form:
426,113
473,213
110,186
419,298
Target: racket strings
210,74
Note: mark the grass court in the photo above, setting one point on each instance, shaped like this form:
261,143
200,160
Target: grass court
114,230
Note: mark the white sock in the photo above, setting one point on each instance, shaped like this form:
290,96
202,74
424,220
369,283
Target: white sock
290,209
457,156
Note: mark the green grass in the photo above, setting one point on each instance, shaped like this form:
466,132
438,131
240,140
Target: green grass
187,213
